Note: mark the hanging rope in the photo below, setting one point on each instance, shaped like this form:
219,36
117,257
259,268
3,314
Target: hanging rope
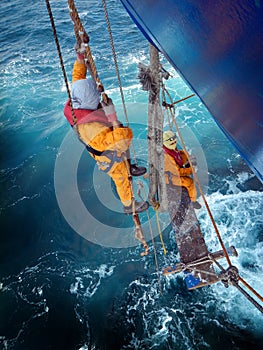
115,59
81,35
159,230
155,254
138,229
61,59
140,188
157,188
117,72
156,208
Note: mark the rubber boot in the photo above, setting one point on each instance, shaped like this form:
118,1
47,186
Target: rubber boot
196,205
139,207
135,170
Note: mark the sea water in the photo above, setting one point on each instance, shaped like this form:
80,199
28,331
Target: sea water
71,274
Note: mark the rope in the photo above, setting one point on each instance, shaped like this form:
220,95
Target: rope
192,265
117,72
231,276
115,58
157,187
61,59
159,230
140,184
138,230
174,103
250,288
253,301
155,253
156,208
81,34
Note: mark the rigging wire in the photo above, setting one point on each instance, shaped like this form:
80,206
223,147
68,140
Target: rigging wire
117,71
115,59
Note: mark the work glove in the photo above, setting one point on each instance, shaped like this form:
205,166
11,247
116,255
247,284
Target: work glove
80,48
193,160
109,110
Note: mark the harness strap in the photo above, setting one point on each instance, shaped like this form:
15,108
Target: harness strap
92,150
95,151
112,155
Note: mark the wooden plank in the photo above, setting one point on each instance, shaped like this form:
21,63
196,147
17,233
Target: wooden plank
190,242
178,267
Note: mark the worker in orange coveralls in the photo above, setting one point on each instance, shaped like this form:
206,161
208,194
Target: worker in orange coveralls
177,168
104,136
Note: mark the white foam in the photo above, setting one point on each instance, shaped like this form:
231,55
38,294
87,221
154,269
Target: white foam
89,280
239,219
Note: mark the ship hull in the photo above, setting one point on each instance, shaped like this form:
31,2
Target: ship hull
217,48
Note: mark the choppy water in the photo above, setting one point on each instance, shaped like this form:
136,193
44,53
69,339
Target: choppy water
59,290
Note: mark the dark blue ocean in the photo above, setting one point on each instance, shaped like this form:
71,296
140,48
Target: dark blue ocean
71,274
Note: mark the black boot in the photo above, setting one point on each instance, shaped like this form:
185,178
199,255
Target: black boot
196,205
137,170
139,207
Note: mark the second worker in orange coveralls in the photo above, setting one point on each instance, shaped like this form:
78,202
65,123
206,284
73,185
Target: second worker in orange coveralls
104,136
176,166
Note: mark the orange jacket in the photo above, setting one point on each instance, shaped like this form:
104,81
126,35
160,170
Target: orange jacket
102,138
170,165
79,71
99,135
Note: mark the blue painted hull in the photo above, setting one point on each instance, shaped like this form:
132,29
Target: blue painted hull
217,47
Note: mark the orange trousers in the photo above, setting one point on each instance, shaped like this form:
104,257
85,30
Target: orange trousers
101,137
119,175
185,181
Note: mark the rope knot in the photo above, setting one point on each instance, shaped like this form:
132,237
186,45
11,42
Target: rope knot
156,205
230,276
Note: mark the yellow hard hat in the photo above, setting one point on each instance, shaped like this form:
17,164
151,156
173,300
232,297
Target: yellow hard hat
169,139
